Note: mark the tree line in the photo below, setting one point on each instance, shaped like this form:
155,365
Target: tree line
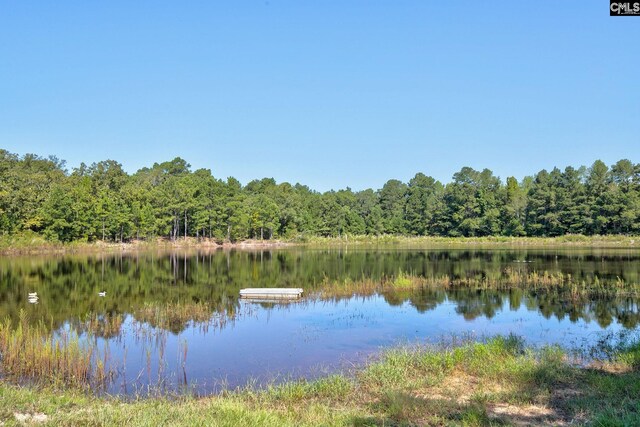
102,202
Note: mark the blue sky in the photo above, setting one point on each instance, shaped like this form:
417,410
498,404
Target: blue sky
326,93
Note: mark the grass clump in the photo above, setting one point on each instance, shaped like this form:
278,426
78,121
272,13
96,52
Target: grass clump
30,353
405,281
174,316
103,325
331,388
629,355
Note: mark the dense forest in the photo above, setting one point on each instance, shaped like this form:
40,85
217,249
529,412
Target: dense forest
103,202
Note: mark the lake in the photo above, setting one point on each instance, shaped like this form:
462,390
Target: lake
152,331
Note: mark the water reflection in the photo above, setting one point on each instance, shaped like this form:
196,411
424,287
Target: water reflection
68,286
271,342
175,319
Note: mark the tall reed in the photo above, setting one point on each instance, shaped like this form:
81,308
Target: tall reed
174,316
30,353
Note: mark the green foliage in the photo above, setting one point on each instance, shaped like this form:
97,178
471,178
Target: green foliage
103,202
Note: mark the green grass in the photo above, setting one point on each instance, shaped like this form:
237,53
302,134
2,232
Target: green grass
569,240
496,382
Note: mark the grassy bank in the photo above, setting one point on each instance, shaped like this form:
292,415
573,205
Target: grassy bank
570,240
31,243
498,382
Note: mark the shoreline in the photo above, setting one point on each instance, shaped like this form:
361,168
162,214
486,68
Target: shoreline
36,245
39,246
497,381
45,248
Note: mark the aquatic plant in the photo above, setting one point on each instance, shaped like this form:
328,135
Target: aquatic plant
31,353
507,278
102,325
175,316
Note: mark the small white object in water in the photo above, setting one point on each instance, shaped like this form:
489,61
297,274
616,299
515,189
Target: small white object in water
33,297
102,294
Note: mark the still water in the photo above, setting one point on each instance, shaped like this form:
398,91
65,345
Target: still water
244,342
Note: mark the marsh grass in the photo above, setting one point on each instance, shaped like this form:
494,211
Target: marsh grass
174,316
34,353
569,240
107,325
507,278
30,353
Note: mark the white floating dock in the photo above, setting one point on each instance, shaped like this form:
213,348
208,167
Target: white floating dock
271,293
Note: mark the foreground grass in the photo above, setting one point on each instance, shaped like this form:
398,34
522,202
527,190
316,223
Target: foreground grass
498,382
